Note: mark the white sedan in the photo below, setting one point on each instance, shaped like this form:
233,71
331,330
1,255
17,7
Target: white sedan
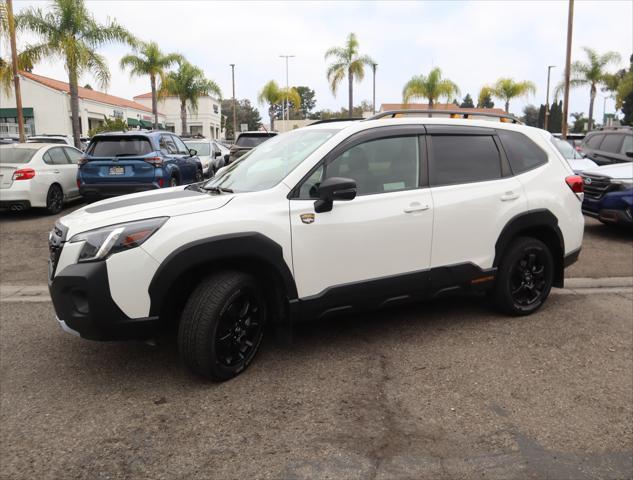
38,175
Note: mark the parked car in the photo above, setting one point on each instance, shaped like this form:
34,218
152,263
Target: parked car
246,141
55,138
117,163
38,175
574,139
609,145
323,220
577,161
212,155
609,193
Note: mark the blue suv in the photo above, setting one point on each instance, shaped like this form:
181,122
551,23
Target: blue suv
116,163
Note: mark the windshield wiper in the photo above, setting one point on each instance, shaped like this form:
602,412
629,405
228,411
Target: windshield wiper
218,189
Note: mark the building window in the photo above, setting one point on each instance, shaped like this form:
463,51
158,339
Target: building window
195,129
215,108
170,128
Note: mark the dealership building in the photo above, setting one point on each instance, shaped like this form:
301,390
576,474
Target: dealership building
46,108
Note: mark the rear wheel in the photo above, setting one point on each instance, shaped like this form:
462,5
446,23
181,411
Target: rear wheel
525,277
221,327
54,199
173,181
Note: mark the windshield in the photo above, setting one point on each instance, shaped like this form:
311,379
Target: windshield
268,164
251,141
567,151
203,149
119,146
16,155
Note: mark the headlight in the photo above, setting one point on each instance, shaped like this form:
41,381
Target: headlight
625,182
101,242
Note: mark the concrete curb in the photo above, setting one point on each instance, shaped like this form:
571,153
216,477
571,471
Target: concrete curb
573,286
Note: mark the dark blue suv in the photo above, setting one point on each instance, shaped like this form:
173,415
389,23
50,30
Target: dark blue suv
116,163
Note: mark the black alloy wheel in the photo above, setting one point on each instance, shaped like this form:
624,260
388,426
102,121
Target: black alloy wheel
54,199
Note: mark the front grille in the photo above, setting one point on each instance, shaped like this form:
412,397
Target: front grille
596,187
56,239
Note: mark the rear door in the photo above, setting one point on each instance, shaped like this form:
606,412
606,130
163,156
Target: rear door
70,173
474,197
62,171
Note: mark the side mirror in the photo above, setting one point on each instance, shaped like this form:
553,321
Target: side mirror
217,153
629,154
334,188
226,158
193,151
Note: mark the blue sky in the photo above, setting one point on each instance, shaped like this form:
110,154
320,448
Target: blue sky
474,43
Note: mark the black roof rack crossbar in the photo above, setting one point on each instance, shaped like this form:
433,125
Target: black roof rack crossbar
462,113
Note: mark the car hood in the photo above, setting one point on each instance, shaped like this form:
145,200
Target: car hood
168,202
617,170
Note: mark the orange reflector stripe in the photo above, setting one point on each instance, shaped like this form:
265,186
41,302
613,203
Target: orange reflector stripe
482,279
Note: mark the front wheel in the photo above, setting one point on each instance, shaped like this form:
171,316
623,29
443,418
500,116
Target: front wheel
198,177
525,277
221,327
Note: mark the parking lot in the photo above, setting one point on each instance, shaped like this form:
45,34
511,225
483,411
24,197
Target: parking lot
445,389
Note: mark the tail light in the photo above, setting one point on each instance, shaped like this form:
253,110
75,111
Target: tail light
78,183
23,174
161,182
575,182
156,161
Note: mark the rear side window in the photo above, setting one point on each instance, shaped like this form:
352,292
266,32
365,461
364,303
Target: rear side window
73,155
594,141
167,145
463,159
612,143
627,145
523,154
250,141
57,156
119,147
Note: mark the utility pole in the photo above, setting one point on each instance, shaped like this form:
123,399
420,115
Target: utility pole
234,106
286,112
570,25
604,111
546,122
14,66
373,67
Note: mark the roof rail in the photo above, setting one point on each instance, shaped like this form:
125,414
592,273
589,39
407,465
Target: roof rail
331,120
616,127
504,117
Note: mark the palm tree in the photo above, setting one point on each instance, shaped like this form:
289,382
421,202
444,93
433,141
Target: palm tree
70,32
347,63
431,87
149,60
188,83
274,96
506,89
592,74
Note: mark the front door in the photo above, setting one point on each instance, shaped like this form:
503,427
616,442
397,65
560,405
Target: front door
373,249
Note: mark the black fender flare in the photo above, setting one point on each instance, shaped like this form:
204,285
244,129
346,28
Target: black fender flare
221,248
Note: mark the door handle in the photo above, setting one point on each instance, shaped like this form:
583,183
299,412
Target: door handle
55,171
416,207
509,196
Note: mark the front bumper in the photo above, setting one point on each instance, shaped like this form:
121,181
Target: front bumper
98,191
84,305
613,207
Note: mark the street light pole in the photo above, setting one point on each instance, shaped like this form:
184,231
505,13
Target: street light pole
14,67
234,107
546,122
604,112
286,112
570,26
373,67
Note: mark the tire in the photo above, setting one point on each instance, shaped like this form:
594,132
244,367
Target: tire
173,181
198,177
221,327
54,199
524,278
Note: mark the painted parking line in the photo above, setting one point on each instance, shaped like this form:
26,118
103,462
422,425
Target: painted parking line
573,286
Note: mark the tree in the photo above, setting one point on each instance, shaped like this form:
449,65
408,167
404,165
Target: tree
150,61
506,89
431,86
485,99
579,122
592,74
530,115
245,113
274,96
6,67
467,102
347,63
70,32
188,83
308,102
624,95
109,125
87,86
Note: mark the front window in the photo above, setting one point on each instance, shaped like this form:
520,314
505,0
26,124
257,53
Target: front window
200,147
267,165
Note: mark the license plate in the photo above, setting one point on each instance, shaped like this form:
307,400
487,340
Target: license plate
117,170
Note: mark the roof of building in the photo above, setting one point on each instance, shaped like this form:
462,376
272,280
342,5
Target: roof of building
436,106
145,95
86,93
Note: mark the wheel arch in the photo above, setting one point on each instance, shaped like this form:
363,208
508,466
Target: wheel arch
250,252
543,225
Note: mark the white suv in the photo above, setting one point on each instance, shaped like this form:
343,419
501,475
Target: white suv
328,219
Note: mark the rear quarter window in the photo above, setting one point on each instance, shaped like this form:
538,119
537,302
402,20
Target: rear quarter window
523,154
463,159
119,146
